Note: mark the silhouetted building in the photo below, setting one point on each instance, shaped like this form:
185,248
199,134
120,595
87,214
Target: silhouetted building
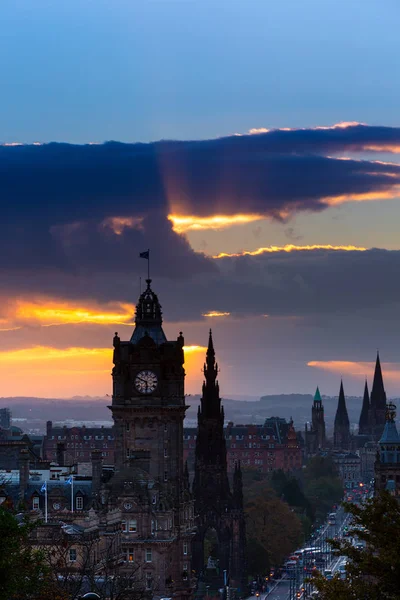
315,435
364,424
387,465
377,410
341,432
150,485
217,508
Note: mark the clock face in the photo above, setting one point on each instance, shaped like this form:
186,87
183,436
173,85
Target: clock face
146,382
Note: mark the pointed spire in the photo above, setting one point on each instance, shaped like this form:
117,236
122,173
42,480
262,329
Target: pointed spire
317,396
210,367
341,433
363,425
378,394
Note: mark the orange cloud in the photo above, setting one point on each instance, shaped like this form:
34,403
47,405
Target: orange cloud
51,372
290,248
54,312
388,194
216,313
182,223
359,369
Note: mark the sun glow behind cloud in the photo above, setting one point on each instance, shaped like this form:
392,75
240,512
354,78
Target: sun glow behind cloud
216,313
53,312
182,223
290,248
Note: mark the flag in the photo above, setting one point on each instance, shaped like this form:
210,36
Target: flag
69,480
145,254
44,487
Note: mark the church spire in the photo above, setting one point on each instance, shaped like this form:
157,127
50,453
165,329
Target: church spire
317,398
363,425
378,394
342,424
210,401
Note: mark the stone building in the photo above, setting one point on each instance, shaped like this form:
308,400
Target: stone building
387,465
150,485
219,510
315,438
78,443
341,432
263,447
348,465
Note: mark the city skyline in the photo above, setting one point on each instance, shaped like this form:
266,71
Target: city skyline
271,213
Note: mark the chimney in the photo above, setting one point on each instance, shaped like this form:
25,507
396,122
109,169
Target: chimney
23,473
60,454
97,469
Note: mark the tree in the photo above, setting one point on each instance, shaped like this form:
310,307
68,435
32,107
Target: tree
272,526
373,573
322,486
23,570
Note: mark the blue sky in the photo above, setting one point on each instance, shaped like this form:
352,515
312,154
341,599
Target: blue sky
76,217
80,70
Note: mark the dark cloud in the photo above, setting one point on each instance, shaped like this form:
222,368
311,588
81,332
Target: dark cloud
57,199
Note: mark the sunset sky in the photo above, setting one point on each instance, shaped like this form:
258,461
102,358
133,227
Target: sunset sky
256,152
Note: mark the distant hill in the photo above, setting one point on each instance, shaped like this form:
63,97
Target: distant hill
32,413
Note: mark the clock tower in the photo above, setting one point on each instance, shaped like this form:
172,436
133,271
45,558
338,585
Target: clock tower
150,485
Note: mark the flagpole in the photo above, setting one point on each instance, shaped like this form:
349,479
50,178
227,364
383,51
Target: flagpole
45,502
72,493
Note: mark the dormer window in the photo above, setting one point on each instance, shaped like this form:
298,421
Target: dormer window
79,503
35,503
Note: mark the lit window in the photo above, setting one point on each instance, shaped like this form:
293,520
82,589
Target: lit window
129,555
72,554
148,555
35,503
185,548
133,526
124,526
79,503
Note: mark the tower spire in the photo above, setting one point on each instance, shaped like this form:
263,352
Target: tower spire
363,425
342,424
148,318
377,401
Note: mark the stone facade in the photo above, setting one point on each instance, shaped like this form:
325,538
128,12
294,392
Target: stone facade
150,485
315,438
218,509
387,465
263,447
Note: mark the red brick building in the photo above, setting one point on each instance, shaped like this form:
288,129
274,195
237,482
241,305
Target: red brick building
267,447
78,443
